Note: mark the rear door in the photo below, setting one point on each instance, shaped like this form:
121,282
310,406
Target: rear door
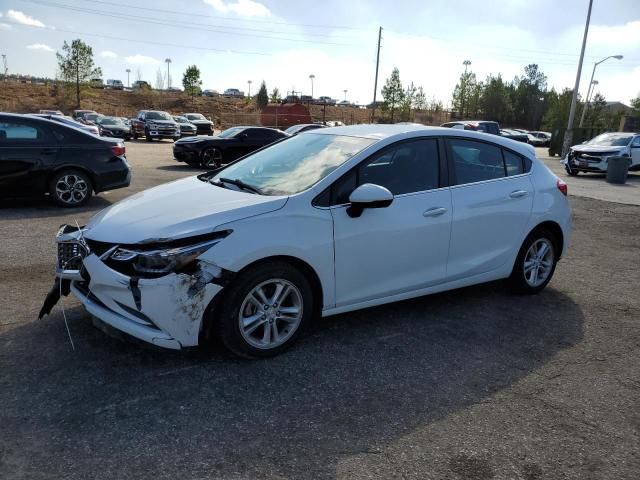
27,151
492,198
635,152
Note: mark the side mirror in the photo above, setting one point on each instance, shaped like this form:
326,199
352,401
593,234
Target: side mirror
368,195
242,137
584,142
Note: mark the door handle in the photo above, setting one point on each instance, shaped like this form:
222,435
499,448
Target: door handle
518,194
48,151
434,212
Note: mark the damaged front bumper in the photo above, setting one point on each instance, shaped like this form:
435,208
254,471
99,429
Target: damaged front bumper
166,311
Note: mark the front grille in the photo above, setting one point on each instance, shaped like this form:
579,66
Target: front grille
70,256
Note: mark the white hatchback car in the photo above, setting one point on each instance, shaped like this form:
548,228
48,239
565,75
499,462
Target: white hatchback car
328,221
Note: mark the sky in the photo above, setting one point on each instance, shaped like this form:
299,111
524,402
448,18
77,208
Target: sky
283,42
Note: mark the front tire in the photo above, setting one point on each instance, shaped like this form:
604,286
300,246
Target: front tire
211,157
571,171
265,310
536,262
70,188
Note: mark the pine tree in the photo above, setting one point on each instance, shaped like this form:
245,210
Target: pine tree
392,93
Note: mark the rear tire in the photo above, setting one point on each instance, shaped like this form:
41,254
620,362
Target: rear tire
570,171
535,263
252,324
211,157
70,188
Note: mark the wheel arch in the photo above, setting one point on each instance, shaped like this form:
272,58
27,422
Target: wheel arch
556,230
307,270
86,171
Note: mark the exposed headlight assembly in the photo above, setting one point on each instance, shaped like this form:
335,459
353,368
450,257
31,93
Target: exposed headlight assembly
162,261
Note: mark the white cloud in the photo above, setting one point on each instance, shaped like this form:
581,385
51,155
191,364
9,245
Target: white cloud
23,19
142,59
40,46
108,54
245,8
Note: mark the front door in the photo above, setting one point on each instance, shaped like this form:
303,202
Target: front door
404,246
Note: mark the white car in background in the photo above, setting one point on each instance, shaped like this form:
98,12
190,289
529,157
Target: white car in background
325,222
593,156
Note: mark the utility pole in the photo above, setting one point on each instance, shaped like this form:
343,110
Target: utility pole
375,83
128,70
249,82
345,94
5,68
311,77
568,135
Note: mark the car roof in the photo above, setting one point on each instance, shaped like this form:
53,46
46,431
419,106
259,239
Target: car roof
399,132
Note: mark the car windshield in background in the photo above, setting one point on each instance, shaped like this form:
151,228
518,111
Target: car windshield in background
110,121
181,119
611,140
158,116
231,132
296,164
196,116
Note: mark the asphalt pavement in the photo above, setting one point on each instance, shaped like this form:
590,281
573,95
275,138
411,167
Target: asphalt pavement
471,384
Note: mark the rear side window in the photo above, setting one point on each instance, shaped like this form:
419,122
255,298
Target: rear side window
13,132
475,161
514,163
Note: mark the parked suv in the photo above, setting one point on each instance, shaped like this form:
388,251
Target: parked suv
593,156
152,124
115,84
233,92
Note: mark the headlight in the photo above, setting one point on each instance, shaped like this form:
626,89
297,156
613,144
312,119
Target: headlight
163,261
153,126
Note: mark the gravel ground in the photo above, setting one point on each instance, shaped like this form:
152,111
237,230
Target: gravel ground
472,384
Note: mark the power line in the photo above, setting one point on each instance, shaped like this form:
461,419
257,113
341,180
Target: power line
190,26
137,40
217,17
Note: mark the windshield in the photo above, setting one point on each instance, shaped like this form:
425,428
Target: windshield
612,139
110,121
181,120
230,132
158,116
195,116
295,164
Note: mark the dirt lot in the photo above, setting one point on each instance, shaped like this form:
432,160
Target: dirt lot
472,384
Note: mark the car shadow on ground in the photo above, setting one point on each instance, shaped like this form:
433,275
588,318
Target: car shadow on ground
43,207
355,382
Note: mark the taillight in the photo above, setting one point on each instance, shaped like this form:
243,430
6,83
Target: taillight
118,150
562,186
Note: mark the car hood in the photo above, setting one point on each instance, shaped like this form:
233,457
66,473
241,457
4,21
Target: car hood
201,138
175,210
596,148
201,122
162,122
114,127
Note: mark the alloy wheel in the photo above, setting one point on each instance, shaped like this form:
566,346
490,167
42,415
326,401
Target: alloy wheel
538,262
212,158
270,313
71,189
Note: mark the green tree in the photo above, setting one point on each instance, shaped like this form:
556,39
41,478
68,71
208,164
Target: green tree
463,93
529,100
76,65
495,102
275,96
557,114
262,99
191,81
392,93
407,102
420,100
635,104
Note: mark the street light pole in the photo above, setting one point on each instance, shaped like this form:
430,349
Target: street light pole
311,77
249,82
593,72
128,72
168,60
466,64
345,94
568,135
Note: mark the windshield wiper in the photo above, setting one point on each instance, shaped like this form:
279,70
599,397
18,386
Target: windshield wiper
238,183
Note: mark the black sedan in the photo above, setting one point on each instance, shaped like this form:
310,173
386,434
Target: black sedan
233,143
187,129
303,127
114,127
514,135
39,156
203,125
